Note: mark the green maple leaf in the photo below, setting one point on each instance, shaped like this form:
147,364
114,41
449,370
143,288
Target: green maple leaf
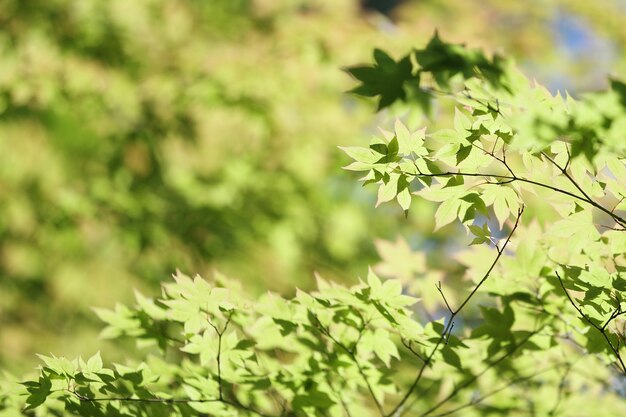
385,78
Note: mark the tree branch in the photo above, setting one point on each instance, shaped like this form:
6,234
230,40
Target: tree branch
493,392
219,352
601,329
352,356
506,179
471,380
453,313
161,400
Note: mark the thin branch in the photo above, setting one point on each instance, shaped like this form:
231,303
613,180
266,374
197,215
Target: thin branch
337,392
494,156
160,400
618,229
445,300
448,328
588,199
352,356
219,352
601,329
471,380
617,204
616,313
409,345
397,410
567,175
567,337
364,324
495,391
506,179
493,264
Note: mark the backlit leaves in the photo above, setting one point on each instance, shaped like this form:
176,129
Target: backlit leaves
530,299
385,78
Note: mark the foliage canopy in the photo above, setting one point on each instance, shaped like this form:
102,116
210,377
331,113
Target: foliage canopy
538,182
135,139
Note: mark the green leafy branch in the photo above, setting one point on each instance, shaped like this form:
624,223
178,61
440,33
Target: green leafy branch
563,169
351,353
160,400
474,402
220,333
600,328
337,350
458,388
507,179
450,323
400,80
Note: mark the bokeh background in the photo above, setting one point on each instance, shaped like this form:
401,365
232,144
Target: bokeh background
137,137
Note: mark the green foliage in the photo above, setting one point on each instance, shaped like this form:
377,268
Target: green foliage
439,60
386,78
238,355
140,137
535,325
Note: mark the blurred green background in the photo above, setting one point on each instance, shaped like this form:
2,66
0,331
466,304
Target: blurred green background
137,137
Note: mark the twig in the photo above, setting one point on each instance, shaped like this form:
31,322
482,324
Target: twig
219,352
509,179
409,346
494,391
601,329
493,264
471,380
339,396
396,411
445,300
588,199
352,356
160,400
